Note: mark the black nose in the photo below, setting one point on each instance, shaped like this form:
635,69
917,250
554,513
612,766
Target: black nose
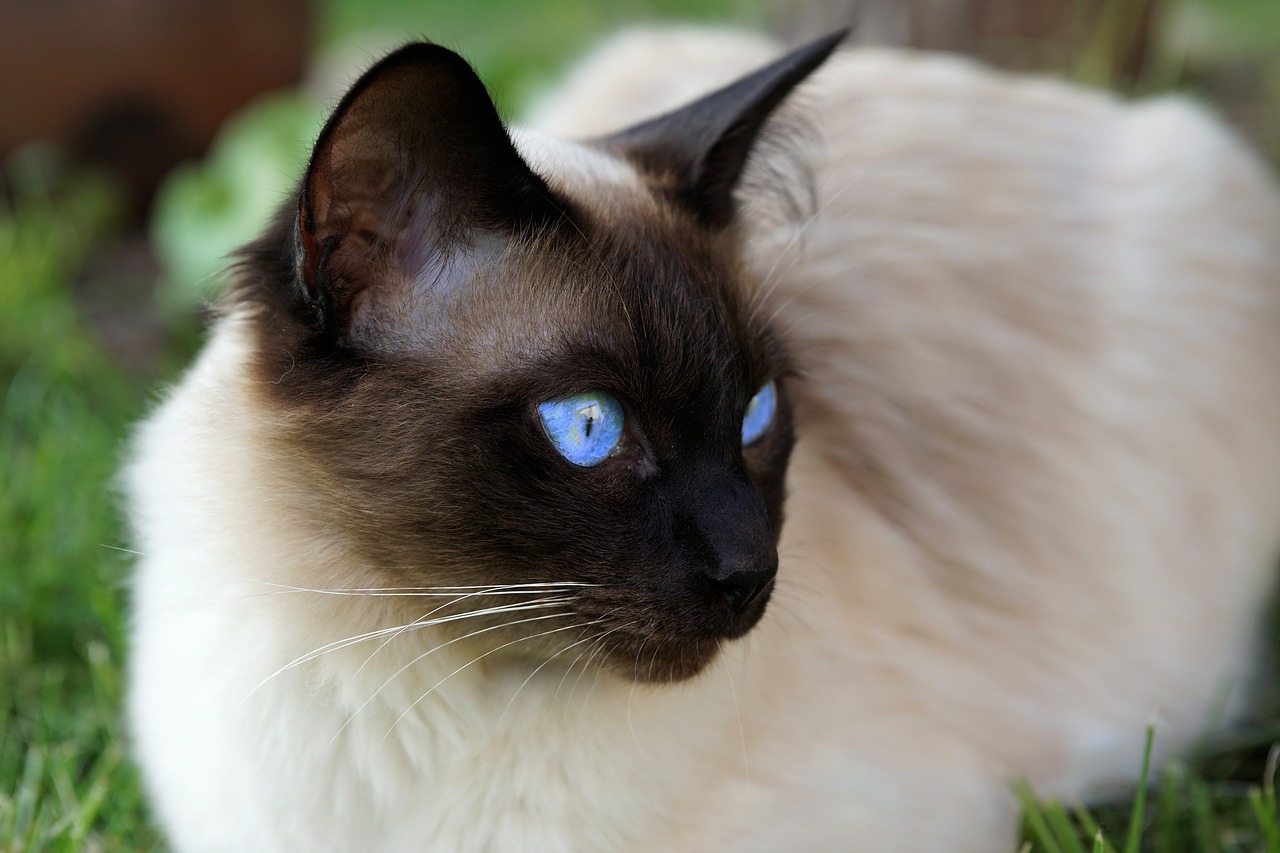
744,586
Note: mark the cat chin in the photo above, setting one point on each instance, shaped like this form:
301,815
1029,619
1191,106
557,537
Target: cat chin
662,654
674,644
662,641
664,663
650,659
659,659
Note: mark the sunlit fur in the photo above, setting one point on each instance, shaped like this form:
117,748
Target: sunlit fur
1035,505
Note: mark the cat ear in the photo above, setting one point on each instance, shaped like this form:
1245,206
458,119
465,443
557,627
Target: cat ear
701,149
413,167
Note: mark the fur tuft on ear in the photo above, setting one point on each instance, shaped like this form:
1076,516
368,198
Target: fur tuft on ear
698,152
412,167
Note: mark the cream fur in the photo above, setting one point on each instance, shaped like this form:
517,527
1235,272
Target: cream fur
1035,505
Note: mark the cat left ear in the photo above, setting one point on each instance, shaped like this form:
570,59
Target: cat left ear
699,151
413,167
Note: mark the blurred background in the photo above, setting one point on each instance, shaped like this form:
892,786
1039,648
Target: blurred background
143,140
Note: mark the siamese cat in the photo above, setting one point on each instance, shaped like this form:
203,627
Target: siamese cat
774,451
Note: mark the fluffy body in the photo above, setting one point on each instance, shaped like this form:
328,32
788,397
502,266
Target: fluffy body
1035,505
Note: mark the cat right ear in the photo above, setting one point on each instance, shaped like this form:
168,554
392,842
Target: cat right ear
697,153
413,167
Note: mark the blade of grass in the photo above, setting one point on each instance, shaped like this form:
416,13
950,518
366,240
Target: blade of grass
1085,818
95,796
1167,828
1134,841
1263,803
1265,814
1204,827
1033,814
28,798
1067,832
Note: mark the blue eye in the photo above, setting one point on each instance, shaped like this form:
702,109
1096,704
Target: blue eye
759,413
584,428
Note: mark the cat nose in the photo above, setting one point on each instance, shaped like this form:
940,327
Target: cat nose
745,585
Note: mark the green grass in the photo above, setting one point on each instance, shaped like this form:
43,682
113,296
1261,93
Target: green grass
1193,810
65,780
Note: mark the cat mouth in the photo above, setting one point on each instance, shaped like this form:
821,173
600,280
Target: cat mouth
654,661
679,645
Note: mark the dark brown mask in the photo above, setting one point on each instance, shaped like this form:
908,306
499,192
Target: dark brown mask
428,293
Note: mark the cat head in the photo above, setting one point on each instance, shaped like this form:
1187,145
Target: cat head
540,367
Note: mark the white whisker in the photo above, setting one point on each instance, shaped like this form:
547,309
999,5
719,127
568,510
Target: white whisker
594,650
632,695
427,591
430,651
595,682
536,671
737,710
393,631
599,644
589,652
476,659
491,611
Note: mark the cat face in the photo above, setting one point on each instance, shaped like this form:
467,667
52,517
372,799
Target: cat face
483,377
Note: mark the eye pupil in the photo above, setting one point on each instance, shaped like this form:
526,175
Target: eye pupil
592,413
